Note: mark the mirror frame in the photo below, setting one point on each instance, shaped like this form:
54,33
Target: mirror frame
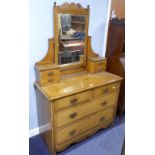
75,9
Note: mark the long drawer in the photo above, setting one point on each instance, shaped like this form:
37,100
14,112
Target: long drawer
76,112
84,125
73,100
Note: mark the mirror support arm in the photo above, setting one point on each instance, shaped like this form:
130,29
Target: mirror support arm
49,58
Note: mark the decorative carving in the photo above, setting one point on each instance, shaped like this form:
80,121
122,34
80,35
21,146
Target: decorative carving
71,5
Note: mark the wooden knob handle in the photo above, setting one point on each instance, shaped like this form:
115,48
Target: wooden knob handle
105,91
50,80
50,73
104,103
100,63
73,115
74,101
102,119
71,133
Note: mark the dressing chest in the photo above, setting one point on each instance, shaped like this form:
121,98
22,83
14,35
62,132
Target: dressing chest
76,97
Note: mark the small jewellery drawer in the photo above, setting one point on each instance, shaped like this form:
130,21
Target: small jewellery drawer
73,100
96,64
101,66
77,128
74,113
103,90
49,76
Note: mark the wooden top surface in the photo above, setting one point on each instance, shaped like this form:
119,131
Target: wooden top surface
74,84
96,58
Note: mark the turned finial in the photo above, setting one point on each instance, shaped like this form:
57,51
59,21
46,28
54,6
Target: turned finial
55,3
88,6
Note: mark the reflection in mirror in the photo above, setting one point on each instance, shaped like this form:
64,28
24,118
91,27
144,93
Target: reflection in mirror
71,37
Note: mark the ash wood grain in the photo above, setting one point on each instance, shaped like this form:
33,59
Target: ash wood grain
72,100
49,76
88,123
82,136
76,112
103,90
76,84
76,104
96,64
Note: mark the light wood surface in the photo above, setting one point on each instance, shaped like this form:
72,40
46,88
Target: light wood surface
81,126
76,99
75,84
96,64
45,75
103,90
73,100
76,112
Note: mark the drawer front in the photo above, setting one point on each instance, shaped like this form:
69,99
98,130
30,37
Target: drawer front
74,113
49,76
84,125
73,100
103,90
101,66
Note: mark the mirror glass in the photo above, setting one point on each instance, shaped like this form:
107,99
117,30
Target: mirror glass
71,37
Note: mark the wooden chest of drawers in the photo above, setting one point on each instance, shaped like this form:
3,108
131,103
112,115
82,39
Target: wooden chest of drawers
77,107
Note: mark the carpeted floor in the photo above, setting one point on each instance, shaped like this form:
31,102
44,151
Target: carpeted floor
106,142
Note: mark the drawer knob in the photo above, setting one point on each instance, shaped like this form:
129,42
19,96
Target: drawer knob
71,133
101,63
74,101
50,73
105,91
73,115
104,103
102,119
50,80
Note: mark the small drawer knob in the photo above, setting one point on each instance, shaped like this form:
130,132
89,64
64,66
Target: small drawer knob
71,133
74,101
50,80
104,103
73,115
102,119
50,73
105,91
101,63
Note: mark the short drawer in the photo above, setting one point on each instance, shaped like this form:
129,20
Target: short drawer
74,113
49,76
96,64
103,90
73,100
84,125
101,66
